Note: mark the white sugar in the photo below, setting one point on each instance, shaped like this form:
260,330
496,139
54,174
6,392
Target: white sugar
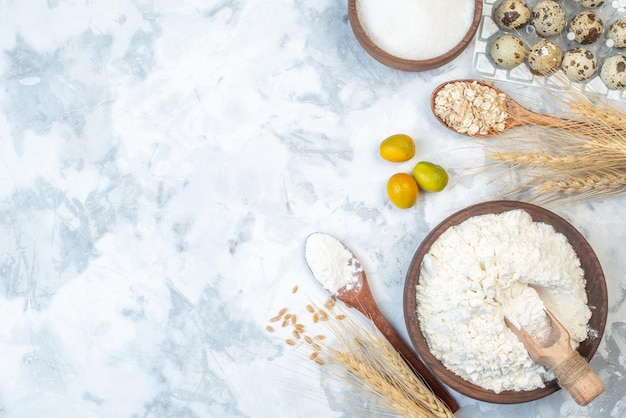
416,29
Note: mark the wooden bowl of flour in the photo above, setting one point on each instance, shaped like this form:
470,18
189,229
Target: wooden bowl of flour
425,36
595,289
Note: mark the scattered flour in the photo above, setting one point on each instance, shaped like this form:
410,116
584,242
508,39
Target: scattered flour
486,268
416,29
334,266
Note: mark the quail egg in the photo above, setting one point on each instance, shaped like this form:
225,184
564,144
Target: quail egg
591,4
507,51
512,14
548,18
544,57
613,72
586,27
617,33
579,64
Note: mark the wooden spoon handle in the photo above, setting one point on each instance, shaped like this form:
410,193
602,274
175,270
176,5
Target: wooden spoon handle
572,371
412,360
576,376
521,116
571,125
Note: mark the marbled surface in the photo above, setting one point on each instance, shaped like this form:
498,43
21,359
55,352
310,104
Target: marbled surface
161,164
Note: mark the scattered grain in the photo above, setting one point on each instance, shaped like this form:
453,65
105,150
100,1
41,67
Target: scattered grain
295,289
310,308
270,328
290,342
323,316
279,315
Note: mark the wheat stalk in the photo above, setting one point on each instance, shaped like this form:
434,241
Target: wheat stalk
406,378
539,159
387,388
607,114
373,364
583,158
359,356
609,181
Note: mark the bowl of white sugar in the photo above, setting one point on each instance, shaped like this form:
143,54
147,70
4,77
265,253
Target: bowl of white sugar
490,261
414,35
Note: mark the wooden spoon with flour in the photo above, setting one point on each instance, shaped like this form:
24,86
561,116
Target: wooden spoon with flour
340,272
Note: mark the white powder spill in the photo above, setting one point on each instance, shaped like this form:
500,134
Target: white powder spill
416,29
486,268
334,266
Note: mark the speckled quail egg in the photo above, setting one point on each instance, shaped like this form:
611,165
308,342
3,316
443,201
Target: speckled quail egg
544,57
586,27
579,64
591,4
512,14
507,51
613,72
617,33
548,18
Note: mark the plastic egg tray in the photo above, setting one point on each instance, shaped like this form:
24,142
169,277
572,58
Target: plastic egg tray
488,31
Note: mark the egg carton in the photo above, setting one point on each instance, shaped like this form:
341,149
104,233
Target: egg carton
602,48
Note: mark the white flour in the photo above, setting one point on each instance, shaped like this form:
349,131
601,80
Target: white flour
334,266
485,268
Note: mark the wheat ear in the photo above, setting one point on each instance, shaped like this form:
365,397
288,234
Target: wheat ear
584,158
589,183
375,365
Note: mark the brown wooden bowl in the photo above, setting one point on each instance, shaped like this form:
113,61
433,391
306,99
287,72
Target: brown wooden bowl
404,64
595,288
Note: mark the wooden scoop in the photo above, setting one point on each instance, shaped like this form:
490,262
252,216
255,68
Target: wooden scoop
572,371
359,296
517,114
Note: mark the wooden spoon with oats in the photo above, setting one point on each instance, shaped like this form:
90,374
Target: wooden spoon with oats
478,109
340,272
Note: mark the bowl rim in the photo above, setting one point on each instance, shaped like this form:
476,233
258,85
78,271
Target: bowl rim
595,281
403,64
